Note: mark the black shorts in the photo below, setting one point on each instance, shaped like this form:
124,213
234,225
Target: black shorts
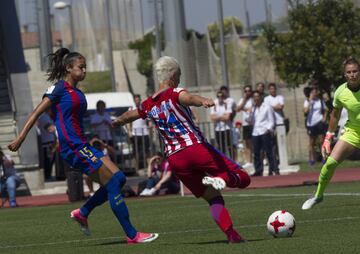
247,132
316,130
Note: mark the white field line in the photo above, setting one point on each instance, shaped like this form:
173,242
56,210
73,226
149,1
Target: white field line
291,194
166,233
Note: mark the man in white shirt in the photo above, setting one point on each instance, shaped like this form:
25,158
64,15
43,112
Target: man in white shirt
220,114
231,102
276,101
139,135
262,115
100,123
244,106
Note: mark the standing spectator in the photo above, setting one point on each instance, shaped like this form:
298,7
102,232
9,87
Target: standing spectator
139,134
316,114
245,105
232,104
9,179
263,117
160,176
100,123
237,140
260,87
276,101
48,143
221,115
60,166
229,100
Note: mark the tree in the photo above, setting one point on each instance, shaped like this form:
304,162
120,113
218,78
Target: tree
322,34
145,62
214,31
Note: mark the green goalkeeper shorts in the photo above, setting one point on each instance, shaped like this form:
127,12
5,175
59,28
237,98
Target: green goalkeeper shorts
351,136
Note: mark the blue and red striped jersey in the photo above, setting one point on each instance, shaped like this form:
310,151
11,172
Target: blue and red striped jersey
68,108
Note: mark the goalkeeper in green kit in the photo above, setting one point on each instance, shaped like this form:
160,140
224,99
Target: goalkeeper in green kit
346,96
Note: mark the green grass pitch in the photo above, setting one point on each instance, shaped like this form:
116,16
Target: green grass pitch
185,225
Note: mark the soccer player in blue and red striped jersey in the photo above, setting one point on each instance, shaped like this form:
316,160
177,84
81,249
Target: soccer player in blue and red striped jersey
68,105
203,169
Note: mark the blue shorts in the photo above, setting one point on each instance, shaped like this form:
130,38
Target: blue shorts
84,157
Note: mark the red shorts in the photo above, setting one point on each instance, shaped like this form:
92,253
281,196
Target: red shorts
196,161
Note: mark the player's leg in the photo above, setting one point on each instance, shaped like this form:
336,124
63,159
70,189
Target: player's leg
190,167
341,151
113,180
221,215
217,165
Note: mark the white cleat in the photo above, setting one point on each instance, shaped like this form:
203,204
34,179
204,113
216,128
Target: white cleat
216,182
308,204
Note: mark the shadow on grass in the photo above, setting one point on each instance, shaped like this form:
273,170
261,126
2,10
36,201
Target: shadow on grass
111,243
217,242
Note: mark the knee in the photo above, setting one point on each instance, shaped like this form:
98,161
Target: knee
244,179
10,183
120,176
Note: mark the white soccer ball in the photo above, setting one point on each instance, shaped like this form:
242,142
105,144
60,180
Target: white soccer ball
281,224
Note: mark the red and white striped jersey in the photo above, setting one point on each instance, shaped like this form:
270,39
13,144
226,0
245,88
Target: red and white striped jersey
172,120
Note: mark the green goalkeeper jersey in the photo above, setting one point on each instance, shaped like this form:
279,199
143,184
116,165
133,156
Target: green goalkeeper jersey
345,98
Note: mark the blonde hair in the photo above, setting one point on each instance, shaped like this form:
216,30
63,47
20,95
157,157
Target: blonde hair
165,68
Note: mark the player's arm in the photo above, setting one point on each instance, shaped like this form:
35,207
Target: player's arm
188,99
334,120
163,179
41,108
127,117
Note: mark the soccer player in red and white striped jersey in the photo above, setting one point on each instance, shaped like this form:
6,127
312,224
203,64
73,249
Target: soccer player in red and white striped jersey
204,170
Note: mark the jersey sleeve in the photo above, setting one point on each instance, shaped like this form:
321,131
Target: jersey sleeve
141,110
55,92
176,93
336,102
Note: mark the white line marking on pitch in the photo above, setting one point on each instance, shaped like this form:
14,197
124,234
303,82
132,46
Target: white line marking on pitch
291,195
167,233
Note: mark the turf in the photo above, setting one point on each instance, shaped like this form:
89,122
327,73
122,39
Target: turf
185,225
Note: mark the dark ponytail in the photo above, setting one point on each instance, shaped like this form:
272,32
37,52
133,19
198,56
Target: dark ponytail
58,62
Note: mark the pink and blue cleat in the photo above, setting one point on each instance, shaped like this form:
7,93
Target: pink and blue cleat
76,216
142,238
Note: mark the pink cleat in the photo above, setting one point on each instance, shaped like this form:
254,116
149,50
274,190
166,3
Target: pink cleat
142,238
76,216
234,237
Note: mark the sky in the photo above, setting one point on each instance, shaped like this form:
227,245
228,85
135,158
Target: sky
198,13
198,16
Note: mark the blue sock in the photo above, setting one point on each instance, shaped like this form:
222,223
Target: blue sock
118,205
100,197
